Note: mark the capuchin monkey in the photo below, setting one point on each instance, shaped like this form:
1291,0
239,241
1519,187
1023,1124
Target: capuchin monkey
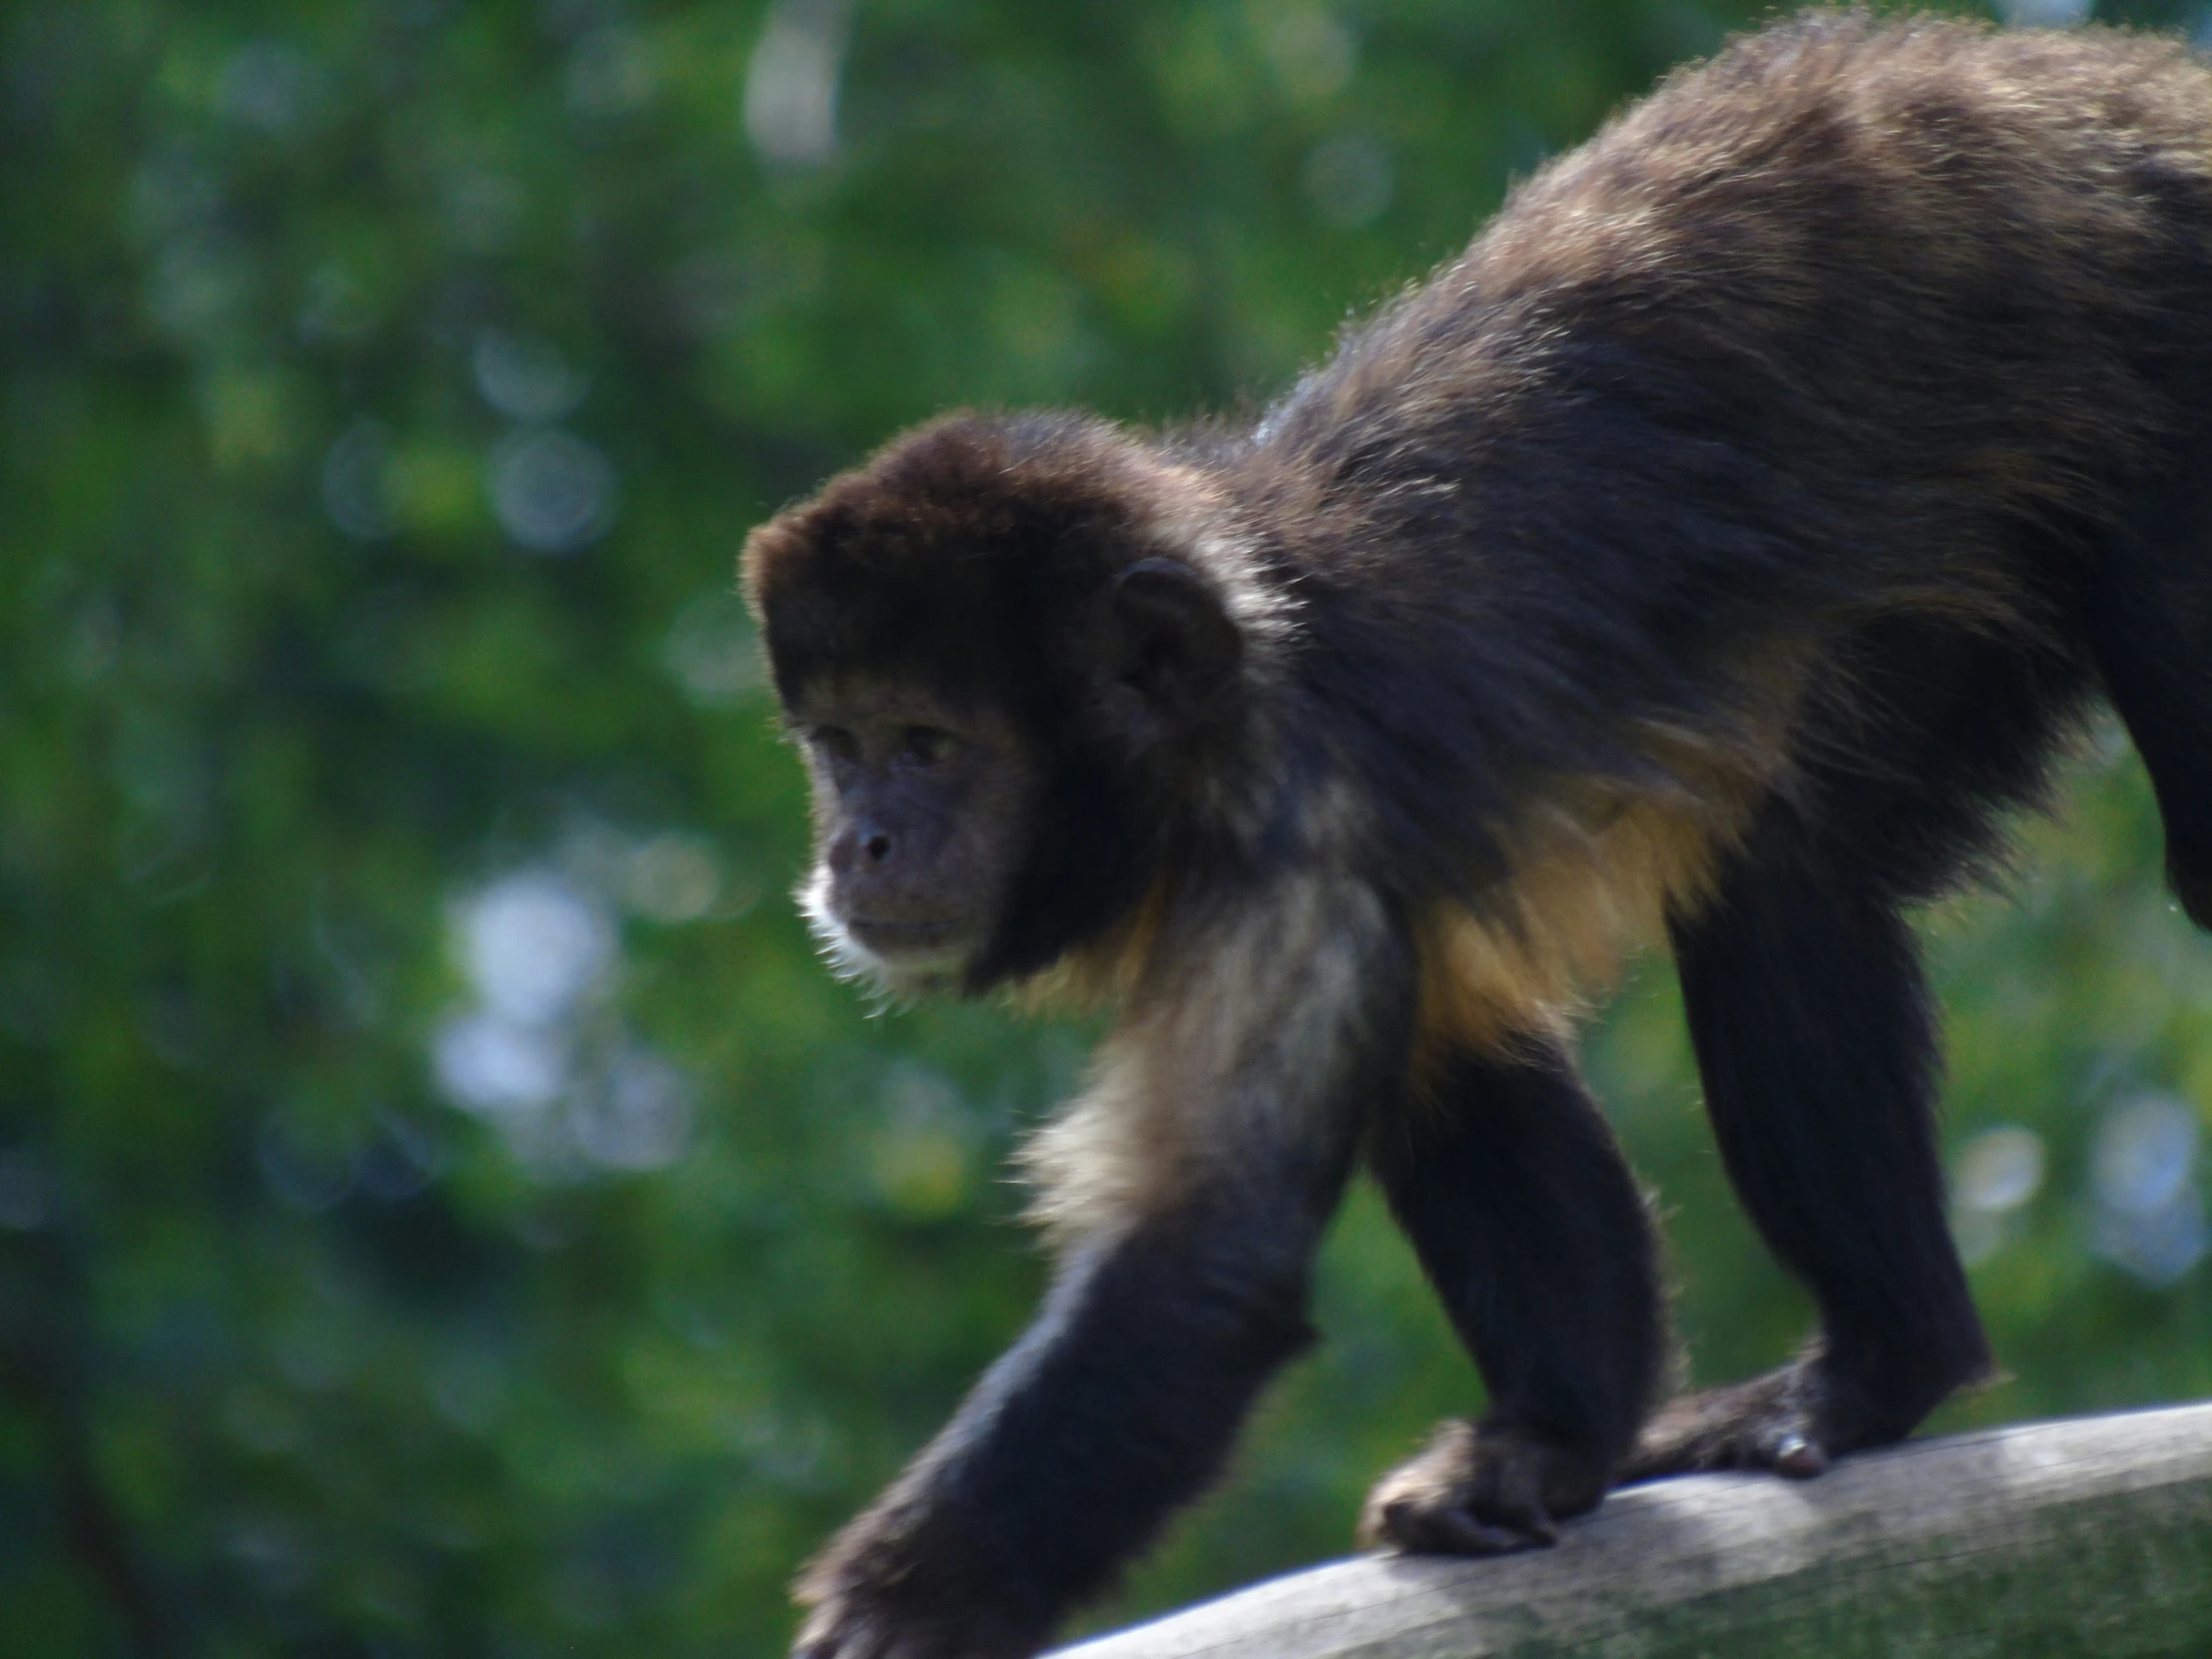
1711,555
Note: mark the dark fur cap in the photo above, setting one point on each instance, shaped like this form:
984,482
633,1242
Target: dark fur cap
969,556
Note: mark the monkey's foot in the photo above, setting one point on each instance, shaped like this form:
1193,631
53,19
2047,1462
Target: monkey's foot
1480,1489
1773,1423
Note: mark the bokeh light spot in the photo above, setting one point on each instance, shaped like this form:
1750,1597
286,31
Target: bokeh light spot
552,491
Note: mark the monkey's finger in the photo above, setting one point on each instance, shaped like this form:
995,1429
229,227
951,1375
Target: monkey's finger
1508,1492
1539,1525
1529,1522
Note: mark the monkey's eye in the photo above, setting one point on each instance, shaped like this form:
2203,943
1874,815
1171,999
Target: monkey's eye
837,742
926,746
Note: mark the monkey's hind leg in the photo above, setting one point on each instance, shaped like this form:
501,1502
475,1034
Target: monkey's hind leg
1529,1224
1813,1031
2151,629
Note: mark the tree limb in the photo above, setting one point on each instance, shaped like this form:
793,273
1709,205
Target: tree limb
2091,1537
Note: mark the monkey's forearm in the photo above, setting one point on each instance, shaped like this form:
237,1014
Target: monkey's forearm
1117,1406
1169,1313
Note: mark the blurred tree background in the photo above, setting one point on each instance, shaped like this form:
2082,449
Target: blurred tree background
444,1209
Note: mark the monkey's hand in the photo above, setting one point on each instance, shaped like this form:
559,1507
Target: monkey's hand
884,1590
1482,1489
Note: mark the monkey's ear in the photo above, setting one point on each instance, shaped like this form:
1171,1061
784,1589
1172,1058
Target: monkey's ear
1173,642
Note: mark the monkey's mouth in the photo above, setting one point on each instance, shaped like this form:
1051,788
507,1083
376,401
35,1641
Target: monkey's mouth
892,939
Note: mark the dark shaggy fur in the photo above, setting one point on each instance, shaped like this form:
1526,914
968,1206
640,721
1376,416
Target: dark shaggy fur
1712,552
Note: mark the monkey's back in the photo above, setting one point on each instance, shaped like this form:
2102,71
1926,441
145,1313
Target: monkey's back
1817,380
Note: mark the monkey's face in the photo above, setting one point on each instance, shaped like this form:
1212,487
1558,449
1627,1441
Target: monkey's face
920,809
1012,651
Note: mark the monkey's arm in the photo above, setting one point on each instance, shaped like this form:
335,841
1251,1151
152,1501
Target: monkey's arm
1166,1318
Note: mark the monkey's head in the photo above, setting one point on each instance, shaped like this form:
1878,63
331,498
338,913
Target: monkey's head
1014,652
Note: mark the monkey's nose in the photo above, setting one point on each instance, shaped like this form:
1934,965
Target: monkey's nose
861,847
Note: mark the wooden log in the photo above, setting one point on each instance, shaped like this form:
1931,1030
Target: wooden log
2089,1537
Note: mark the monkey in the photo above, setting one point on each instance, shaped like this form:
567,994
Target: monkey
1710,558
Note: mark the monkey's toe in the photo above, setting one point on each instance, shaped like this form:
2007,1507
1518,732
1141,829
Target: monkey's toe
1770,1422
1480,1489
1797,1458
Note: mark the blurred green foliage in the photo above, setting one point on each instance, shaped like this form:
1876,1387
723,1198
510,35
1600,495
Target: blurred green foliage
444,1208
